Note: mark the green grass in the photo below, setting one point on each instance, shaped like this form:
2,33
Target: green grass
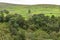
35,9
23,10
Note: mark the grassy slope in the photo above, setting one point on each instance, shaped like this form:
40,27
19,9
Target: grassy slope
35,9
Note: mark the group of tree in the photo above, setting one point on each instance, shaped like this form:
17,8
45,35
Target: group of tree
49,24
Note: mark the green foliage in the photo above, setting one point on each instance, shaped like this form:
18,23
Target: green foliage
3,14
36,27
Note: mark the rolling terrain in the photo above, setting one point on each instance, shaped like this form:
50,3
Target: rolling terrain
37,27
47,9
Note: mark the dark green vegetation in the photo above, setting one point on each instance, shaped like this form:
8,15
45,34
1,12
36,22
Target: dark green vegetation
29,22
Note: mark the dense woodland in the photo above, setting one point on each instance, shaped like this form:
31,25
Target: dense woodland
36,27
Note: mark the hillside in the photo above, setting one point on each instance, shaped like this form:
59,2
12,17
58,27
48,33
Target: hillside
43,22
35,9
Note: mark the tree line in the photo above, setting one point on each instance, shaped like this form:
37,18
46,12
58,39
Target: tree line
35,22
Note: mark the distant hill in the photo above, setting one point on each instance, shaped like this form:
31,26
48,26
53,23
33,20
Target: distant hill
9,4
35,9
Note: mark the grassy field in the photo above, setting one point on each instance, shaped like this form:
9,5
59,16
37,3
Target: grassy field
35,9
34,31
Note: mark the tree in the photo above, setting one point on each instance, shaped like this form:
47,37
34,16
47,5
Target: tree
3,13
8,17
38,20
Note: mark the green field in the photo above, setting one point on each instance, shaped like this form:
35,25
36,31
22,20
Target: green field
43,22
35,9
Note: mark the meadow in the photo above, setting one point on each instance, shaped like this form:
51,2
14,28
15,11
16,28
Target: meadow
43,22
35,9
